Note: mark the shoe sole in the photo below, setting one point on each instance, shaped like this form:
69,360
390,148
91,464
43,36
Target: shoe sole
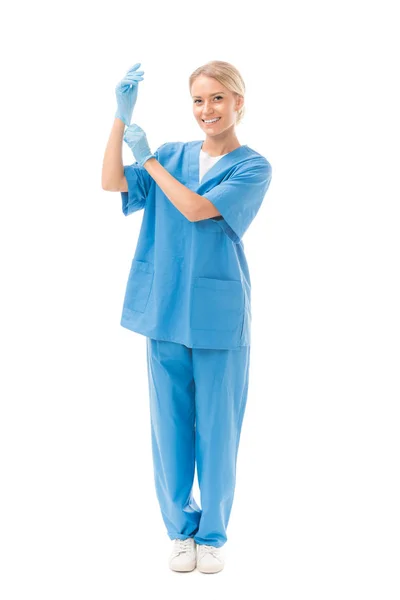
210,571
183,569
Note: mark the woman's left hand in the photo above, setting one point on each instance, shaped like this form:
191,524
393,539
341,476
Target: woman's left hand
136,139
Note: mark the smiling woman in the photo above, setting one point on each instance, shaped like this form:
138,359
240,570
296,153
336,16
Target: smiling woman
189,293
218,90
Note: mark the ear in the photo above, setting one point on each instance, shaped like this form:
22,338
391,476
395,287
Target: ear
239,102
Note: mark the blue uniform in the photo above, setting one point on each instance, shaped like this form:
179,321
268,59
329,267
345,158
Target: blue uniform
197,402
188,292
189,282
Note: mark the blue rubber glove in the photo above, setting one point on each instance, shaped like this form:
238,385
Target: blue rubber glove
136,139
126,92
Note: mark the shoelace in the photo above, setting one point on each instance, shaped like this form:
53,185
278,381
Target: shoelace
205,548
182,546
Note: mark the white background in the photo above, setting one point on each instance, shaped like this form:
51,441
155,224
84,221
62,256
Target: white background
316,506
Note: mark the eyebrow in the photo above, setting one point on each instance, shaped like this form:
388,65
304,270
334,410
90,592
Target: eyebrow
215,93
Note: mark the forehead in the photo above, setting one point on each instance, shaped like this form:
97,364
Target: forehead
204,86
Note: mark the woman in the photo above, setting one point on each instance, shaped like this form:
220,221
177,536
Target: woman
189,293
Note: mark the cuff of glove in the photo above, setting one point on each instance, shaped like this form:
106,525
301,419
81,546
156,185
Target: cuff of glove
143,160
118,116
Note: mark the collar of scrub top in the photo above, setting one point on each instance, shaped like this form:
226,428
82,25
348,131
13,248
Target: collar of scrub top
227,160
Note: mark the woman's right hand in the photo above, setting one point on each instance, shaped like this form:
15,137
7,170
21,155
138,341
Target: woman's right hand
126,92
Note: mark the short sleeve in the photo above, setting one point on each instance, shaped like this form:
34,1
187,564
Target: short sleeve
139,182
239,197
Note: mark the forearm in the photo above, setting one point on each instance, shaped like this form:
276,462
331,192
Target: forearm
113,169
187,202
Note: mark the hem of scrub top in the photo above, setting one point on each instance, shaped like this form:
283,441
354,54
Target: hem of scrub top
180,342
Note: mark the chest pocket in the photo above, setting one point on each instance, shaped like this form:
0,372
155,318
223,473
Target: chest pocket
139,285
216,304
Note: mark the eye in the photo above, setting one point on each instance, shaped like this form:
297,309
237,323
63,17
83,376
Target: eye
197,100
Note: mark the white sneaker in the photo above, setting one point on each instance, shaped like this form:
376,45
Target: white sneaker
183,555
209,558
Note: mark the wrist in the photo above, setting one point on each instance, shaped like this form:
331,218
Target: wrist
121,118
144,160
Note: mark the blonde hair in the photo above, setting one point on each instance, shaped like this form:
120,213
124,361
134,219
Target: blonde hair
227,75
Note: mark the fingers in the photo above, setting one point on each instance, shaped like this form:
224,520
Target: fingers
134,70
130,81
133,76
135,66
134,128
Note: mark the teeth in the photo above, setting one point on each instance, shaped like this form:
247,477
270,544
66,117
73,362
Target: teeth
212,120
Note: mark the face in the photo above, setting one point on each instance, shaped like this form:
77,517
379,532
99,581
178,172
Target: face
211,100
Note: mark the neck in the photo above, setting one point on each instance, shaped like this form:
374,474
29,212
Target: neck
220,144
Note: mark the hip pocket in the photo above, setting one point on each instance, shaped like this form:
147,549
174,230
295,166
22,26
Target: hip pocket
139,285
216,304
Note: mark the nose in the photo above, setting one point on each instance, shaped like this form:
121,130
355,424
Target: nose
207,110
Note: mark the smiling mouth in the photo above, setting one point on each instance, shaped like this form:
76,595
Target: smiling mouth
212,121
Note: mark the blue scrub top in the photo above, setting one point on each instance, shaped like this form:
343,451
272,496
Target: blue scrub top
189,282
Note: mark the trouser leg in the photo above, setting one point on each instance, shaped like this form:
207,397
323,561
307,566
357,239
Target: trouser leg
172,410
221,385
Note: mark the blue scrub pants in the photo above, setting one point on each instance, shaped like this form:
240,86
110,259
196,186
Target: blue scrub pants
197,402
